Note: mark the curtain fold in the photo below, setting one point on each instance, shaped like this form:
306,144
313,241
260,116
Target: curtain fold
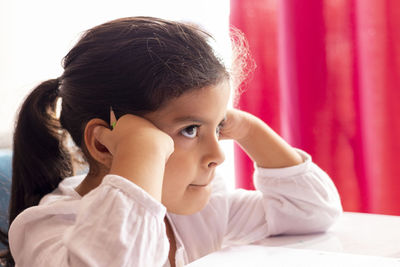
328,81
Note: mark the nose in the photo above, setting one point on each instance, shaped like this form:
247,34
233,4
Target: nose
214,155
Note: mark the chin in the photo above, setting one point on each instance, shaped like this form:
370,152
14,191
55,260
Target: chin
192,204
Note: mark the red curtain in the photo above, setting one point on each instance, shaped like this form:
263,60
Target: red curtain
328,81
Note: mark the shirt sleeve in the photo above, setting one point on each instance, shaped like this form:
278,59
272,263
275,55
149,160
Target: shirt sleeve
116,224
295,200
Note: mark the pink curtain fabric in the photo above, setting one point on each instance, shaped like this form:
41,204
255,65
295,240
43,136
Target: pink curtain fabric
328,81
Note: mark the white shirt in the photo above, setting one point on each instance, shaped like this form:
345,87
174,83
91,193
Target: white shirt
119,224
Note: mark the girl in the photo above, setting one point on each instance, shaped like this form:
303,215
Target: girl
146,101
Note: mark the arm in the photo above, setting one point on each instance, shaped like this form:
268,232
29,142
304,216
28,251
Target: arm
110,226
137,142
294,195
116,221
266,148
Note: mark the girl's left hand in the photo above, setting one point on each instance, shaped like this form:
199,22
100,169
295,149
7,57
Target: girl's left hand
237,125
265,147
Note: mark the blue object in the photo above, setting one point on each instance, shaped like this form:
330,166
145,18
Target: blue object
5,187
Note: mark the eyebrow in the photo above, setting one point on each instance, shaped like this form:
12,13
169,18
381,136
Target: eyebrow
185,119
193,119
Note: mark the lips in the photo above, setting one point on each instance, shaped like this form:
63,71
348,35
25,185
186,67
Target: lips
203,184
199,185
204,181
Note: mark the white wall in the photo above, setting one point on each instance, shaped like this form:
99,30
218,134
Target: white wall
36,35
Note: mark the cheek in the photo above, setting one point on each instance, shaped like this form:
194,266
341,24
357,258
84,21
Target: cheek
184,156
183,144
179,169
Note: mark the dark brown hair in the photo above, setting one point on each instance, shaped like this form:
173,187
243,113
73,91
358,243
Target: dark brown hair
133,65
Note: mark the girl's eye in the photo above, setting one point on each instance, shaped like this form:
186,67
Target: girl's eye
191,131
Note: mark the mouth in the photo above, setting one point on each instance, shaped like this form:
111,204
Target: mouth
203,181
199,185
205,184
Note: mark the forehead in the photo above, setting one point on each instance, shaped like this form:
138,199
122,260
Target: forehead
206,104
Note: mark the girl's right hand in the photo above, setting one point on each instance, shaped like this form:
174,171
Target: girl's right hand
132,131
139,151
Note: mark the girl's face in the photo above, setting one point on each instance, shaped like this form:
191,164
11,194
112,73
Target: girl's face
193,121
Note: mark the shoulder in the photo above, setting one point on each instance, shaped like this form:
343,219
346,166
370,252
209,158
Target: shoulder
37,224
63,202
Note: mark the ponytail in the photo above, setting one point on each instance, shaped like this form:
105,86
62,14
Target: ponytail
39,161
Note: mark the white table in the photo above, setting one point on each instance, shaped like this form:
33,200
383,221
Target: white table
356,239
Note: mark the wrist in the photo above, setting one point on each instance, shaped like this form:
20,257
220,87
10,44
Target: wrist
142,164
249,124
266,148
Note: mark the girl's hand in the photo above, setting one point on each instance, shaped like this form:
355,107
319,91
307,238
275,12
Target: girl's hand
237,125
139,151
133,133
265,147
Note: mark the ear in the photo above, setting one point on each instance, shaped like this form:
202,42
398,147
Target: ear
97,151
